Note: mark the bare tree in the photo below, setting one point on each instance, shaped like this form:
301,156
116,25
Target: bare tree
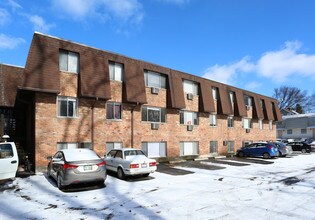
290,97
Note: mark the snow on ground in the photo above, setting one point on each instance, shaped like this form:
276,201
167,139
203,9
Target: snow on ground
282,190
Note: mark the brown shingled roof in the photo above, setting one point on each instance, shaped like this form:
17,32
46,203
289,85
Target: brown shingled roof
10,79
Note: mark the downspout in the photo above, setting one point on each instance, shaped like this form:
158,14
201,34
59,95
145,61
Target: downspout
92,123
132,124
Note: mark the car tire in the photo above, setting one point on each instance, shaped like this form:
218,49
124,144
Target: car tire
303,151
59,182
146,175
120,173
240,154
266,155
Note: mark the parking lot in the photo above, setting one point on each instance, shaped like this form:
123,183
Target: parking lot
227,188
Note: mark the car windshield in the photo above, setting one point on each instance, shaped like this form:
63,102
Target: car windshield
80,154
133,153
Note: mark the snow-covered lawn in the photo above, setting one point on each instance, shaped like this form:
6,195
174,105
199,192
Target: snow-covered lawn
282,190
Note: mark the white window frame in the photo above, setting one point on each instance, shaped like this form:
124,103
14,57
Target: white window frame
213,147
66,145
270,125
232,97
213,120
154,149
188,118
145,114
230,145
247,123
150,77
116,71
248,100
111,106
113,145
190,87
189,148
215,93
67,99
69,61
260,124
230,122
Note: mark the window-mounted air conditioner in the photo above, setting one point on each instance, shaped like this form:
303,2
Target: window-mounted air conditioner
190,127
155,126
247,130
190,96
224,143
155,90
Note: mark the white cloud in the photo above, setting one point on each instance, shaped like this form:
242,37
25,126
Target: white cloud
125,10
14,5
4,17
39,23
281,64
176,2
227,73
7,42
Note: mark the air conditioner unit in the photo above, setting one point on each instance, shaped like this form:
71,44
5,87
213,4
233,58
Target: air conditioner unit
224,143
247,130
155,90
247,107
190,127
190,96
155,126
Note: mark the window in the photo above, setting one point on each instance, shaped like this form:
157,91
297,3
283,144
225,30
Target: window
188,118
246,143
190,87
232,99
260,123
270,125
247,123
6,151
303,131
67,107
215,93
189,148
153,114
68,61
87,145
213,147
153,79
248,100
116,71
154,149
213,120
261,102
61,146
113,145
230,145
113,110
289,131
230,120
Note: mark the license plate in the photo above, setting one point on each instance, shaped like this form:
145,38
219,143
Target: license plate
144,165
88,167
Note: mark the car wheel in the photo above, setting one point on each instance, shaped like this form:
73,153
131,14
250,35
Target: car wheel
146,175
303,150
120,173
240,154
266,155
59,182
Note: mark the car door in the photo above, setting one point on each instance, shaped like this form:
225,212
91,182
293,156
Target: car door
118,160
110,157
248,150
8,160
56,164
260,149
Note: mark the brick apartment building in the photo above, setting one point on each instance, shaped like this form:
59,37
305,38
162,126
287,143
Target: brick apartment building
71,95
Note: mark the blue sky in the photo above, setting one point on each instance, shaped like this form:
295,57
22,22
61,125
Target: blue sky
256,45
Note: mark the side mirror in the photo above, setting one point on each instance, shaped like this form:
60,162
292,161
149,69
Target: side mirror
49,158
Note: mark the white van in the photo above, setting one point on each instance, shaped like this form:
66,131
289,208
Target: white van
9,160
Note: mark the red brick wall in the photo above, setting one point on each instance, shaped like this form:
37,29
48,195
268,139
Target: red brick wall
50,129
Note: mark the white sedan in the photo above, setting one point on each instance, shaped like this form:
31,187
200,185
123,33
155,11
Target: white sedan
129,162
